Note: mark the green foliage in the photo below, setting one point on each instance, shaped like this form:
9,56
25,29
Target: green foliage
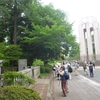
49,29
52,62
42,31
47,69
12,52
37,62
2,47
42,75
16,78
18,93
74,50
10,13
73,59
42,69
6,63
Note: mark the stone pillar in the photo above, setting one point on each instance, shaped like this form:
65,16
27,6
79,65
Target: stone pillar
22,64
89,43
83,53
89,25
96,40
99,32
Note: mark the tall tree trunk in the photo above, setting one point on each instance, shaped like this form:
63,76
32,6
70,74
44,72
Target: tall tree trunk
15,23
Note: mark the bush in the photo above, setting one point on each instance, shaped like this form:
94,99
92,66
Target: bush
13,78
37,62
18,93
6,63
44,75
42,69
47,69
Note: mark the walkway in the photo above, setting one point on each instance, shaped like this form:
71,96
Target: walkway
80,87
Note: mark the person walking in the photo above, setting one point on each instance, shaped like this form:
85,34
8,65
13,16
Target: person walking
64,81
76,67
85,68
70,70
91,69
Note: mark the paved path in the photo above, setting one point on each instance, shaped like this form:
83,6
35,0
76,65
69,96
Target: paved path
80,87
96,77
42,87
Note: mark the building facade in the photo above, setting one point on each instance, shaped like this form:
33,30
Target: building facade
89,37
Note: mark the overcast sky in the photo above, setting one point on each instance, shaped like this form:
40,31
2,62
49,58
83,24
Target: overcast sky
77,9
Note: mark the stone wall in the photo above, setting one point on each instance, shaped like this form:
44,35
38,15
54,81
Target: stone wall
32,72
35,71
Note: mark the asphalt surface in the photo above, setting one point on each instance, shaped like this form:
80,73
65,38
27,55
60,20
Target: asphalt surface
80,87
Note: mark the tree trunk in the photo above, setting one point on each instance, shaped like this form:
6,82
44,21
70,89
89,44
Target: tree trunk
15,23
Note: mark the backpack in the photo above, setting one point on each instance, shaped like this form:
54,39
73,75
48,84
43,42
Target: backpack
66,75
70,69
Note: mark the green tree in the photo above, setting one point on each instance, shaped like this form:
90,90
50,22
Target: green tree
41,31
11,19
12,53
2,47
49,29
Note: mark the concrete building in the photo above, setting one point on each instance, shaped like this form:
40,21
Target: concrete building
89,36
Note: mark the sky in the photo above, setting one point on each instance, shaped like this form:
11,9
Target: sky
77,10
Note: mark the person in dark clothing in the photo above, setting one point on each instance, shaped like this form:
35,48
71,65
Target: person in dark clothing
91,70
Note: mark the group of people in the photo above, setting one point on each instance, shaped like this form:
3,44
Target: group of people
90,66
56,68
59,72
60,69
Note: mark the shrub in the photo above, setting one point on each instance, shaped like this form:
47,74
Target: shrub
6,63
42,69
47,69
12,77
37,62
44,75
18,93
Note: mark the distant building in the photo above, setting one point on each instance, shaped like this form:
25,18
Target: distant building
89,36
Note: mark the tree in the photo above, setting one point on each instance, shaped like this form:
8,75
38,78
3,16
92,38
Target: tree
11,18
49,31
12,53
2,47
41,31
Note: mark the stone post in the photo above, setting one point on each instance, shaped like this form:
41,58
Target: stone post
83,54
89,43
96,40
